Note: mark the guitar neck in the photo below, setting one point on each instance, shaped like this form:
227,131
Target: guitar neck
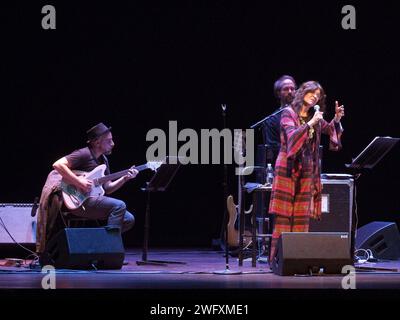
118,174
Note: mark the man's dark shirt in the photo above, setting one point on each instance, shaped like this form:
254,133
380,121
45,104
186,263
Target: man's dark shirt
84,160
271,132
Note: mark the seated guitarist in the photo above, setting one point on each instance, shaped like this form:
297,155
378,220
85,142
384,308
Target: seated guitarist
100,144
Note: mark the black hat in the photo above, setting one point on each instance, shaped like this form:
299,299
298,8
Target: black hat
97,131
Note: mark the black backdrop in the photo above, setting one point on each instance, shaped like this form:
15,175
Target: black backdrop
138,65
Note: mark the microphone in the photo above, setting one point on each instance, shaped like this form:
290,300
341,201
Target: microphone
316,108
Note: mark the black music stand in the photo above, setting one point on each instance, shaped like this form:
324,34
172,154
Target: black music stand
367,159
373,153
159,182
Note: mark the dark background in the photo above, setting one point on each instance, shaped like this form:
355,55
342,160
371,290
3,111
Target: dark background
136,66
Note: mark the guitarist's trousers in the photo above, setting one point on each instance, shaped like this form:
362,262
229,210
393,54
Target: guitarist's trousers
106,208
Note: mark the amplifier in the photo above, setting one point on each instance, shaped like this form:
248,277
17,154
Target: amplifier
18,220
337,206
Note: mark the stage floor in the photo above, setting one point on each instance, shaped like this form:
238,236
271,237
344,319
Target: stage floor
198,272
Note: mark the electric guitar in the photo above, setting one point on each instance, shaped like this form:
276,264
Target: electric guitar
74,197
233,232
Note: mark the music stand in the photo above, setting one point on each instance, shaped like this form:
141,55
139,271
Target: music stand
367,159
159,182
373,153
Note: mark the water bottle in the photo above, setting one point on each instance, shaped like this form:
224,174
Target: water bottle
270,175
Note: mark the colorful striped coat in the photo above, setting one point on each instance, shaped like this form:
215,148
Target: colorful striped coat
296,190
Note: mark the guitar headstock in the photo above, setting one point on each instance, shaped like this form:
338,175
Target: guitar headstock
154,165
239,141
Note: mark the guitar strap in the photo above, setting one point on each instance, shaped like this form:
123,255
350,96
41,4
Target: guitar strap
105,161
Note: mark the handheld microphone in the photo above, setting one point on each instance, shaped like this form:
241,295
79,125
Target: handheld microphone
316,108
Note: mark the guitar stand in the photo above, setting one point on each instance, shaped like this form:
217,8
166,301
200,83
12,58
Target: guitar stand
159,182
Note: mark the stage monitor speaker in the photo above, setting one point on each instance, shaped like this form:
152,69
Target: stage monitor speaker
311,253
85,248
382,238
337,206
18,220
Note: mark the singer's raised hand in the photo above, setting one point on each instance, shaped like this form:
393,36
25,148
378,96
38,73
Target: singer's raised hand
339,111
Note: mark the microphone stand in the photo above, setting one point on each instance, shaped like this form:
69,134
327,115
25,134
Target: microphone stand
269,153
227,271
266,118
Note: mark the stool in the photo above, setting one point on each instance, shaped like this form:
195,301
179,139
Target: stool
263,237
71,221
255,235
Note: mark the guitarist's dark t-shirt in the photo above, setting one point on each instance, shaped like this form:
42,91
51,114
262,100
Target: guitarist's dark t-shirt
84,160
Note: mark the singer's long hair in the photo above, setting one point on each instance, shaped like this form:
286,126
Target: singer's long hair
306,87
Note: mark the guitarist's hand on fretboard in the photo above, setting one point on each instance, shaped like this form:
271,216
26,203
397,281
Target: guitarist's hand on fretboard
132,173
